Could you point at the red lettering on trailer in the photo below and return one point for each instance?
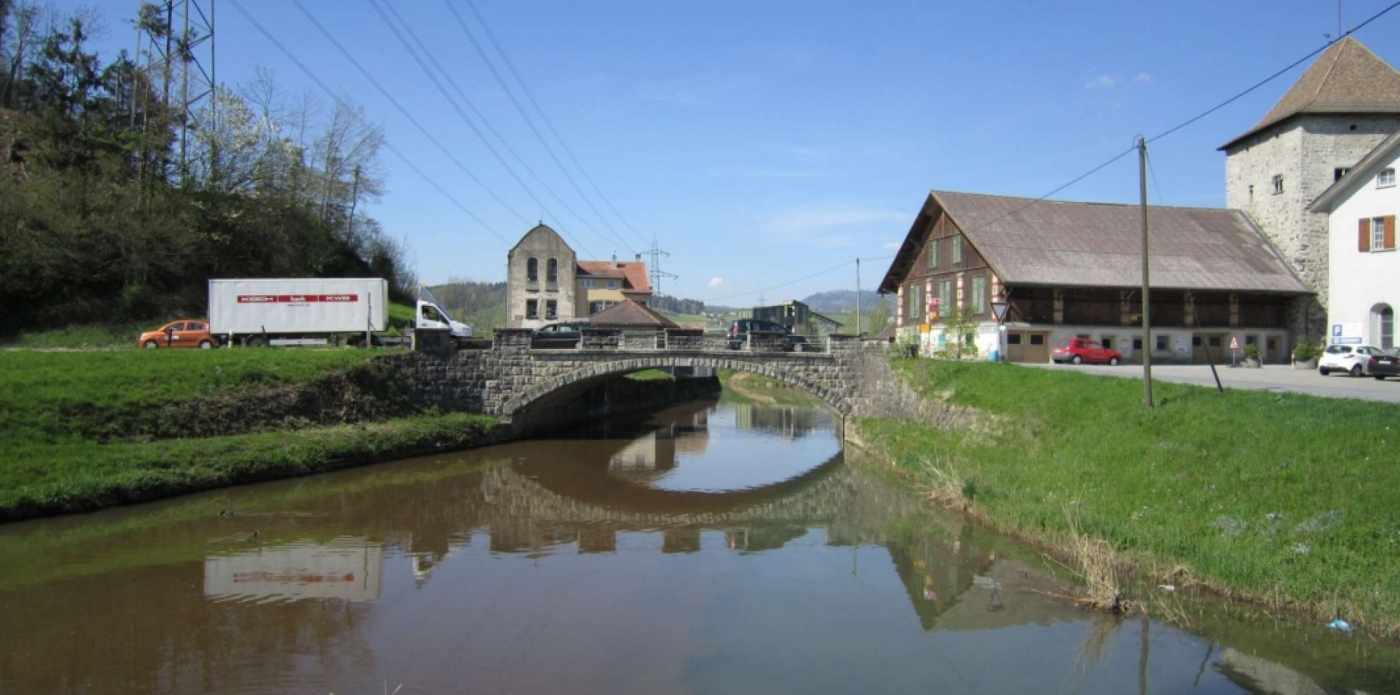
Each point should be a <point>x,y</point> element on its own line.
<point>340,298</point>
<point>256,298</point>
<point>296,298</point>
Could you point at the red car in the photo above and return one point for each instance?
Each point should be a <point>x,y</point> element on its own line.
<point>1082,350</point>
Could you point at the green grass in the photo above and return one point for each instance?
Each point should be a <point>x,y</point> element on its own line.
<point>650,375</point>
<point>40,392</point>
<point>41,479</point>
<point>1284,498</point>
<point>746,387</point>
<point>83,337</point>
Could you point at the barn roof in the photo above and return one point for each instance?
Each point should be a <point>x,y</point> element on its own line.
<point>1070,244</point>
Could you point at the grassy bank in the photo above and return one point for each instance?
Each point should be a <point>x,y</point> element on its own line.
<point>1289,500</point>
<point>52,404</point>
<point>746,387</point>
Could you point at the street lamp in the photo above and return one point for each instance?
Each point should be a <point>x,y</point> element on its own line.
<point>999,308</point>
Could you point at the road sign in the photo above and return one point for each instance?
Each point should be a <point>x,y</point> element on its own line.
<point>1234,343</point>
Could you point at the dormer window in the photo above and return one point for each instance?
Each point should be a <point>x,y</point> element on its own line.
<point>1278,184</point>
<point>1386,178</point>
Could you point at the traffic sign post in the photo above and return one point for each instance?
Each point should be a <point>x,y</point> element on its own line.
<point>1234,351</point>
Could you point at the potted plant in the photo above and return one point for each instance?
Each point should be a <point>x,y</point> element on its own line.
<point>1305,355</point>
<point>1251,356</point>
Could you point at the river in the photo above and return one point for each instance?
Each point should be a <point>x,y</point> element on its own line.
<point>714,547</point>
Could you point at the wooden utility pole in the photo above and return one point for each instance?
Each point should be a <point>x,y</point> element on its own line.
<point>1146,298</point>
<point>857,296</point>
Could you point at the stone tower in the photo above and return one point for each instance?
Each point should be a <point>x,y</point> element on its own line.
<point>1346,102</point>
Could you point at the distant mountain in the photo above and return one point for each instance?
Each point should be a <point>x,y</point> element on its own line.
<point>842,301</point>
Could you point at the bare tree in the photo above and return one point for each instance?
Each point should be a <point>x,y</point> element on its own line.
<point>27,19</point>
<point>349,143</point>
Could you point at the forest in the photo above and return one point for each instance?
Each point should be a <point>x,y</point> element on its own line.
<point>118,204</point>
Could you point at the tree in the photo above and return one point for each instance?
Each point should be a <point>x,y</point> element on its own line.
<point>959,328</point>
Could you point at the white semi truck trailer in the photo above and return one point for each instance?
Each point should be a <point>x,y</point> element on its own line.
<point>312,311</point>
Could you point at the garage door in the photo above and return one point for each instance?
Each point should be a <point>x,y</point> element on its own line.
<point>1025,346</point>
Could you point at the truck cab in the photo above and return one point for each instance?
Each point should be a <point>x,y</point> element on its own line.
<point>431,316</point>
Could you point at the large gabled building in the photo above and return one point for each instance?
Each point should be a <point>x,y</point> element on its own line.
<point>546,282</point>
<point>1070,269</point>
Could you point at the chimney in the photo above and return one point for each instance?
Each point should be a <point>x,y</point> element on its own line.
<point>639,258</point>
<point>614,258</point>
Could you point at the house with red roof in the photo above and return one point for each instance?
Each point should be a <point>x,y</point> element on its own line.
<point>546,282</point>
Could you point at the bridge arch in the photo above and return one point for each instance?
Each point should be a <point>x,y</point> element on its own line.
<point>816,374</point>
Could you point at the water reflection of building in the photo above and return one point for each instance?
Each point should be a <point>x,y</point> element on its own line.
<point>346,568</point>
<point>656,450</point>
<point>790,423</point>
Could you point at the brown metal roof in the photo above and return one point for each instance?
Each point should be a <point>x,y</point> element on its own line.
<point>1046,242</point>
<point>630,314</point>
<point>1346,78</point>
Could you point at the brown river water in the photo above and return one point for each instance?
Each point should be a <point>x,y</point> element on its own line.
<point>711,548</point>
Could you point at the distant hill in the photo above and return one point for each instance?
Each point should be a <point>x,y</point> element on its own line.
<point>481,304</point>
<point>842,301</point>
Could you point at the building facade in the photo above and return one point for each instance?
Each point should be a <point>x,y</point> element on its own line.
<point>1340,109</point>
<point>1363,266</point>
<point>797,317</point>
<point>1074,270</point>
<point>546,283</point>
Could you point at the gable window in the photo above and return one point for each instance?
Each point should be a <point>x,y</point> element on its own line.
<point>1278,184</point>
<point>1386,178</point>
<point>1339,172</point>
<point>933,254</point>
<point>915,308</point>
<point>957,250</point>
<point>979,295</point>
<point>551,272</point>
<point>532,269</point>
<point>532,307</point>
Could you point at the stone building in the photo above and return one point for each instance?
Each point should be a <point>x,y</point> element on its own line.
<point>547,283</point>
<point>1339,110</point>
<point>1069,269</point>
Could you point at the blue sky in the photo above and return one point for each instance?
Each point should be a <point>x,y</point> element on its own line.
<point>761,142</point>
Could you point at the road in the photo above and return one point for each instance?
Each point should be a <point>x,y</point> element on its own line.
<point>1278,378</point>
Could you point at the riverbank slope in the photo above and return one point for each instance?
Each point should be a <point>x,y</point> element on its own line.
<point>1286,500</point>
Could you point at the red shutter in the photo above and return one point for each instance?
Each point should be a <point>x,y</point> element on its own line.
<point>1363,236</point>
<point>1390,232</point>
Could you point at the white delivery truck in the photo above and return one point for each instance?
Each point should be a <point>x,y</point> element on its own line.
<point>297,311</point>
<point>431,315</point>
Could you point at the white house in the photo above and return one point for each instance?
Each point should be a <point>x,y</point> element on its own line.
<point>1363,265</point>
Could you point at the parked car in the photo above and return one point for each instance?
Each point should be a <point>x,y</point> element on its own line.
<point>1083,350</point>
<point>186,333</point>
<point>739,334</point>
<point>1352,360</point>
<point>1383,364</point>
<point>564,334</point>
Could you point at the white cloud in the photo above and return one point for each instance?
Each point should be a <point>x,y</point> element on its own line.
<point>1104,81</point>
<point>716,281</point>
<point>1142,78</point>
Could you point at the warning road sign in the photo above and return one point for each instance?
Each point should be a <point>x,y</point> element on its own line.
<point>1234,343</point>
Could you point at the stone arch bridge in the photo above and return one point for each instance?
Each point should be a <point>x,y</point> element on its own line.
<point>511,378</point>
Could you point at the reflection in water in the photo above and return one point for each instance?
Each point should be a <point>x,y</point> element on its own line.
<point>713,549</point>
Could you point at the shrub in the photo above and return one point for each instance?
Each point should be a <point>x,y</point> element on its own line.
<point>1305,351</point>
<point>1251,352</point>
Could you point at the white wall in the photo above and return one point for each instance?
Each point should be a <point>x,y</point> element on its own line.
<point>1357,280</point>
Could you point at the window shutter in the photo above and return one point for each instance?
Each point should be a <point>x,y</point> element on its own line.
<point>1390,232</point>
<point>1363,236</point>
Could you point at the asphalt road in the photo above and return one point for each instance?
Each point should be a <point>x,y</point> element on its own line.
<point>1276,378</point>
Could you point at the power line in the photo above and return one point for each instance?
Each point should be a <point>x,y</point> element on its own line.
<point>804,278</point>
<point>429,73</point>
<point>387,145</point>
<point>525,89</point>
<point>405,112</point>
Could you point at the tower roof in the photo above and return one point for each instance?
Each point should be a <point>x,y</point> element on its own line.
<point>1346,78</point>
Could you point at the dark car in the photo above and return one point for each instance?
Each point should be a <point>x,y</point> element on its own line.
<point>557,336</point>
<point>739,334</point>
<point>1384,363</point>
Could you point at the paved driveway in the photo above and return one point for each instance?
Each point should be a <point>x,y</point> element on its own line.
<point>1267,378</point>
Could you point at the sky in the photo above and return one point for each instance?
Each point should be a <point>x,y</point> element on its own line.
<point>766,145</point>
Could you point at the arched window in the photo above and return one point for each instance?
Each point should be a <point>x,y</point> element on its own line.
<point>1383,326</point>
<point>551,272</point>
<point>532,269</point>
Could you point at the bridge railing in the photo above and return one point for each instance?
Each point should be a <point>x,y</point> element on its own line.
<point>681,340</point>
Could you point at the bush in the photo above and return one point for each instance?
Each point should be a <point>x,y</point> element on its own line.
<point>1305,351</point>
<point>1251,352</point>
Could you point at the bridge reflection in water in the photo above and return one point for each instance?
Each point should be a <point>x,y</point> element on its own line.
<point>712,549</point>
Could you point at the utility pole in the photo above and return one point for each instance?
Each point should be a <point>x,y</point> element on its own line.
<point>857,296</point>
<point>1146,299</point>
<point>657,274</point>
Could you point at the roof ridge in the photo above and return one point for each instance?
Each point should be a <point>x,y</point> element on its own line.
<point>1336,58</point>
<point>1090,202</point>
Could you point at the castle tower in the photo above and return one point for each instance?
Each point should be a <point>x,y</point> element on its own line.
<point>1346,102</point>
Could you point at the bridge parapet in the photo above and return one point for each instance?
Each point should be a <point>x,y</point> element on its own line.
<point>512,338</point>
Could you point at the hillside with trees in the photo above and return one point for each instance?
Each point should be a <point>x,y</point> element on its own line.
<point>99,220</point>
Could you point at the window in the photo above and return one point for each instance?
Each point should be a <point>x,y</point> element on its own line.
<point>957,250</point>
<point>612,284</point>
<point>1137,344</point>
<point>979,295</point>
<point>430,313</point>
<point>1386,178</point>
<point>945,296</point>
<point>967,339</point>
<point>551,272</point>
<point>1251,339</point>
<point>551,309</point>
<point>1107,342</point>
<point>915,307</point>
<point>1195,341</point>
<point>1339,172</point>
<point>1378,234</point>
<point>1161,343</point>
<point>532,270</point>
<point>1037,339</point>
<point>532,307</point>
<point>1215,341</point>
<point>1278,184</point>
<point>933,254</point>
<point>1013,338</point>
<point>1251,192</point>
